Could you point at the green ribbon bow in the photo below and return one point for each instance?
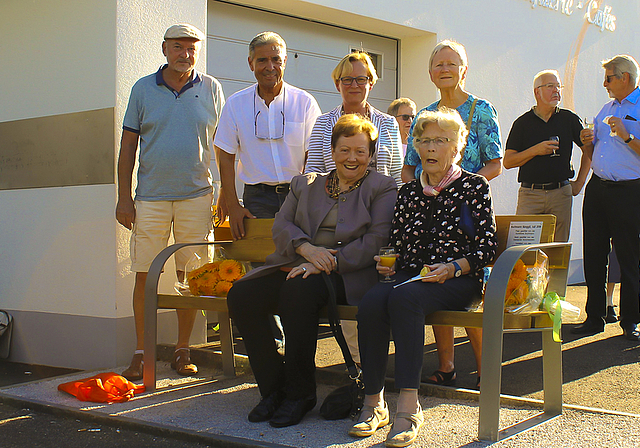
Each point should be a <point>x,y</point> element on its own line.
<point>552,303</point>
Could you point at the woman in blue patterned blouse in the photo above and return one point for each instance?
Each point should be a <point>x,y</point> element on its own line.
<point>482,155</point>
<point>444,220</point>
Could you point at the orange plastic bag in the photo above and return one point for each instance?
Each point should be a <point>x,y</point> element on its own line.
<point>102,388</point>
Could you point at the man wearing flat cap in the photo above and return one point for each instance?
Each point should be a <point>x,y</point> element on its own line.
<point>172,117</point>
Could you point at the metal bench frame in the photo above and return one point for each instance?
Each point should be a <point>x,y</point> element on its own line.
<point>494,322</point>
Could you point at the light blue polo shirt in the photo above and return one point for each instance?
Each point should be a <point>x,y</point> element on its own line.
<point>176,131</point>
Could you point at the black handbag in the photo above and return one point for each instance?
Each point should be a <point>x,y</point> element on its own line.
<point>345,401</point>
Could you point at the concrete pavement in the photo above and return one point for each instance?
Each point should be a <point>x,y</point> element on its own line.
<point>600,371</point>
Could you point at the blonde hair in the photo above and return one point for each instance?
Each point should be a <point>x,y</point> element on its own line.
<point>397,103</point>
<point>623,63</point>
<point>352,124</point>
<point>345,66</point>
<point>448,120</point>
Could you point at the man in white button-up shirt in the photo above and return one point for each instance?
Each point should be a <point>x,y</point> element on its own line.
<point>268,126</point>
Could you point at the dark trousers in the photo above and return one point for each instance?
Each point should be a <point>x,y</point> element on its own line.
<point>263,201</point>
<point>402,310</point>
<point>611,211</point>
<point>297,301</point>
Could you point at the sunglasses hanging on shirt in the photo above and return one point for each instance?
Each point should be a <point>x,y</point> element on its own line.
<point>261,121</point>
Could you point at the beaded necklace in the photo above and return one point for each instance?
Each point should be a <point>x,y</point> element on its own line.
<point>333,184</point>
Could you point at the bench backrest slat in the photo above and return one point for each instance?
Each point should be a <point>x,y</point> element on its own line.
<point>255,246</point>
<point>258,243</point>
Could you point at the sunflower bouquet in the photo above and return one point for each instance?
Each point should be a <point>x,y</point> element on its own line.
<point>527,285</point>
<point>215,278</point>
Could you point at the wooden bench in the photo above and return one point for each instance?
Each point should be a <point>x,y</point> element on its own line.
<point>494,321</point>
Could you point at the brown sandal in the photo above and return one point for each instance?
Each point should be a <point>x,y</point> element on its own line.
<point>182,362</point>
<point>134,371</point>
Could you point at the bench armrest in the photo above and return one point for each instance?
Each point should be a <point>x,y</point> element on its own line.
<point>150,308</point>
<point>157,266</point>
<point>493,329</point>
<point>559,255</point>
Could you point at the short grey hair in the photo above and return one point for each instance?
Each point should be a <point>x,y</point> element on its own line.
<point>267,37</point>
<point>623,63</point>
<point>399,102</point>
<point>458,48</point>
<point>448,120</point>
<point>536,79</point>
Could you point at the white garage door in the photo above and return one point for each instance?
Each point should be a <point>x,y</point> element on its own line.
<point>313,50</point>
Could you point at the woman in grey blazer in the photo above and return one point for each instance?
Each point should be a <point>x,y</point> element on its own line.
<point>334,223</point>
<point>354,77</point>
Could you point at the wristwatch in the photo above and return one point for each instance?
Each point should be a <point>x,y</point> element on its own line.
<point>631,137</point>
<point>458,269</point>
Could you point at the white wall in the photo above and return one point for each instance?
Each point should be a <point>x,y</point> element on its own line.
<point>58,57</point>
<point>62,252</point>
<point>57,252</point>
<point>139,34</point>
<point>56,241</point>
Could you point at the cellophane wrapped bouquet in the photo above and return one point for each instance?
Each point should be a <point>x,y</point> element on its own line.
<point>527,285</point>
<point>213,275</point>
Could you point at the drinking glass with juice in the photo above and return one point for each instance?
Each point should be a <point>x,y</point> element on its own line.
<point>387,258</point>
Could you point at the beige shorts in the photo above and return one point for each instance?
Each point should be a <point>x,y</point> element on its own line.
<point>190,220</point>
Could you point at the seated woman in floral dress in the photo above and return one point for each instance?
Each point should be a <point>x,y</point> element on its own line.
<point>444,220</point>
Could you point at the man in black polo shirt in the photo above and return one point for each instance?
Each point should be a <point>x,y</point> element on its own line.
<point>540,143</point>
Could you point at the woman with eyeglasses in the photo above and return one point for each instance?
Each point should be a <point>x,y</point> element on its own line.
<point>404,110</point>
<point>443,221</point>
<point>482,155</point>
<point>354,77</point>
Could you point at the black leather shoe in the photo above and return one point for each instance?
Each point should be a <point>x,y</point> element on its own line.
<point>267,407</point>
<point>589,326</point>
<point>291,412</point>
<point>611,316</point>
<point>631,332</point>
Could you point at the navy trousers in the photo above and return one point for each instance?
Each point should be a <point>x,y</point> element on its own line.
<point>401,311</point>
